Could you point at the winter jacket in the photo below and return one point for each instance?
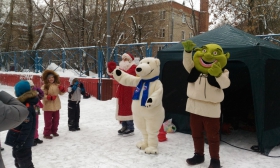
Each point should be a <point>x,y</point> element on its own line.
<point>52,105</point>
<point>22,136</point>
<point>75,92</point>
<point>12,111</point>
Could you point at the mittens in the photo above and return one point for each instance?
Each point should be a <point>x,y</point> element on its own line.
<point>61,88</point>
<point>111,66</point>
<point>49,97</point>
<point>74,87</point>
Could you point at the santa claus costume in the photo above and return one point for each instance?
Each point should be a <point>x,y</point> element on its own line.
<point>124,96</point>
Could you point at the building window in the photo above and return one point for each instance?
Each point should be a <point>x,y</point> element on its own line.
<point>191,34</point>
<point>162,33</point>
<point>183,35</point>
<point>162,15</point>
<point>184,18</point>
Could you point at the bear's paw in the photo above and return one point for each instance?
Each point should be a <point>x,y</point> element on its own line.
<point>149,102</point>
<point>151,150</point>
<point>142,145</point>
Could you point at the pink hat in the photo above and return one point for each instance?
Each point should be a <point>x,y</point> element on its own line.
<point>129,56</point>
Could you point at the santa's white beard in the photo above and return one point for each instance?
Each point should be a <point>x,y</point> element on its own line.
<point>125,65</point>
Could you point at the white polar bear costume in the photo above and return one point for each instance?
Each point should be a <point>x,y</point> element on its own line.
<point>147,109</point>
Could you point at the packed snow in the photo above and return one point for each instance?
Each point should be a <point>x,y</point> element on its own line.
<point>98,144</point>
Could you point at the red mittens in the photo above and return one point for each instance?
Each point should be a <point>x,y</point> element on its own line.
<point>49,97</point>
<point>61,88</point>
<point>111,66</point>
<point>54,97</point>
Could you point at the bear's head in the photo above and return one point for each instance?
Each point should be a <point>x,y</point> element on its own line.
<point>148,68</point>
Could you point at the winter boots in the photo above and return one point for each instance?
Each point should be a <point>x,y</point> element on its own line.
<point>48,137</point>
<point>196,159</point>
<point>215,163</point>
<point>125,132</point>
<point>128,132</point>
<point>37,141</point>
<point>121,130</point>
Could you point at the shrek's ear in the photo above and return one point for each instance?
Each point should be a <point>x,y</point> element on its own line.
<point>227,55</point>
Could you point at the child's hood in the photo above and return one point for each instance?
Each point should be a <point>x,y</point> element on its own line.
<point>30,97</point>
<point>45,75</point>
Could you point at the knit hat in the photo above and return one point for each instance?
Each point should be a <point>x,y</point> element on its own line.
<point>21,87</point>
<point>129,56</point>
<point>30,82</point>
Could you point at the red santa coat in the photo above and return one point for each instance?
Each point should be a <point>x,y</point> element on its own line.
<point>124,98</point>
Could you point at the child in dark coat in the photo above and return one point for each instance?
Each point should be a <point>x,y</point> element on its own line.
<point>37,110</point>
<point>21,138</point>
<point>75,90</point>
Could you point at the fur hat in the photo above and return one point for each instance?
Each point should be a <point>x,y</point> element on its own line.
<point>48,73</point>
<point>129,56</point>
<point>21,87</point>
<point>30,82</point>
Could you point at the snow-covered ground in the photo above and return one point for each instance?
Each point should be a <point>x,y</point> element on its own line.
<point>98,145</point>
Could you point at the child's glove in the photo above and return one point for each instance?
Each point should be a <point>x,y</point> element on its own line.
<point>18,146</point>
<point>61,88</point>
<point>111,66</point>
<point>49,97</point>
<point>74,87</point>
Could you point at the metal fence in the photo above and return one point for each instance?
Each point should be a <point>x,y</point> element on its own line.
<point>80,59</point>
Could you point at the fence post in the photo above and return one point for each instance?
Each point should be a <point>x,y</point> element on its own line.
<point>149,50</point>
<point>15,61</point>
<point>36,62</point>
<point>116,55</point>
<point>63,59</point>
<point>100,70</point>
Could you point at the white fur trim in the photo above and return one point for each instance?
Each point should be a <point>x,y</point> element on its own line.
<point>125,55</point>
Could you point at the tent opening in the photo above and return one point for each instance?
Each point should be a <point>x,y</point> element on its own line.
<point>237,107</point>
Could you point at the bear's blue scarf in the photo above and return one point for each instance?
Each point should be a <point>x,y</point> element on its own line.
<point>145,91</point>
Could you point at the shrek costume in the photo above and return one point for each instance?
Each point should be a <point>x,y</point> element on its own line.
<point>206,82</point>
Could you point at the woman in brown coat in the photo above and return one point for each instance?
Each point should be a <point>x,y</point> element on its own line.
<point>51,101</point>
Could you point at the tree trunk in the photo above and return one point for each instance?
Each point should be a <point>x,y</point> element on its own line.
<point>29,24</point>
<point>9,29</point>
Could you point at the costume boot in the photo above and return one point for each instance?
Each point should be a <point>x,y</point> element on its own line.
<point>196,159</point>
<point>215,163</point>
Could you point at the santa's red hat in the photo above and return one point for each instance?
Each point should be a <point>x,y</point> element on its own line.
<point>129,56</point>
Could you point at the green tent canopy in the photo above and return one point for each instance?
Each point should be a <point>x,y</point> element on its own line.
<point>254,94</point>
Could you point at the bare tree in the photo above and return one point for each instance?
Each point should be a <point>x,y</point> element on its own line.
<point>46,25</point>
<point>30,24</point>
<point>10,27</point>
<point>253,16</point>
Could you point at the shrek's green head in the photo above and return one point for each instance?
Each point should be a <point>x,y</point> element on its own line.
<point>207,55</point>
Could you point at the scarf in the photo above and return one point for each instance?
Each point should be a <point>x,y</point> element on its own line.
<point>145,94</point>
